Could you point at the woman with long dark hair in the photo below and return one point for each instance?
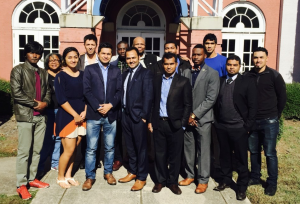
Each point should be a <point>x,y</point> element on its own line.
<point>70,119</point>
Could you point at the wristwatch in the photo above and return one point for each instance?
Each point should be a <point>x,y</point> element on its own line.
<point>193,116</point>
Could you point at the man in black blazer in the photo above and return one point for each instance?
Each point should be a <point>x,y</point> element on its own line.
<point>170,113</point>
<point>137,96</point>
<point>102,84</point>
<point>235,112</point>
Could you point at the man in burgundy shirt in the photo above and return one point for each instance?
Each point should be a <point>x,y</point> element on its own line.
<point>31,95</point>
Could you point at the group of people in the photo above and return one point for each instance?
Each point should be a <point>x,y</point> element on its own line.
<point>195,114</point>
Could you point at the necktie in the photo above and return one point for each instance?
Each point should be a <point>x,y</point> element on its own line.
<point>229,80</point>
<point>127,89</point>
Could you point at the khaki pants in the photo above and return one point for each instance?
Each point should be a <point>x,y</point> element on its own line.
<point>31,138</point>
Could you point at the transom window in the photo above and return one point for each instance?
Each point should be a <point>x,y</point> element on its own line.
<point>240,17</point>
<point>141,15</point>
<point>38,12</point>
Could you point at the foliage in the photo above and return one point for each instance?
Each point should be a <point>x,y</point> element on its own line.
<point>6,103</point>
<point>292,107</point>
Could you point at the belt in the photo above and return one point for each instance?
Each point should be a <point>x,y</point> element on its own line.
<point>164,118</point>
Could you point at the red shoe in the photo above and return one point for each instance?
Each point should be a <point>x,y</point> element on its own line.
<point>23,192</point>
<point>38,184</point>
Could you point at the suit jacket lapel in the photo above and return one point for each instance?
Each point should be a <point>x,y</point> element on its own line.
<point>238,80</point>
<point>173,85</point>
<point>202,73</point>
<point>98,70</point>
<point>136,74</point>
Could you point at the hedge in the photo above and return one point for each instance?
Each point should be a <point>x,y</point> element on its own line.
<point>6,103</point>
<point>292,107</point>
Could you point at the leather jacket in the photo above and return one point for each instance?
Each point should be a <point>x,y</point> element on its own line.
<point>23,91</point>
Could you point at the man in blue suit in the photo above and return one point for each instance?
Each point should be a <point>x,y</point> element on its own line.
<point>137,96</point>
<point>102,83</point>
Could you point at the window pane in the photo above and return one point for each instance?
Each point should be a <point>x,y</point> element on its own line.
<point>147,20</point>
<point>255,23</point>
<point>148,43</point>
<point>224,45</point>
<point>225,21</point>
<point>156,43</point>
<point>231,13</point>
<point>46,52</point>
<point>38,5</point>
<point>28,8</point>
<point>246,22</point>
<point>247,45</point>
<point>54,41</point>
<point>131,12</point>
<point>54,51</point>
<point>22,40</point>
<point>30,38</point>
<point>22,18</point>
<point>125,39</point>
<point>151,12</point>
<point>254,44</point>
<point>45,17</point>
<point>135,19</point>
<point>156,21</point>
<point>131,41</point>
<point>241,10</point>
<point>21,55</point>
<point>125,21</point>
<point>46,41</point>
<point>250,13</point>
<point>141,8</point>
<point>234,21</point>
<point>224,54</point>
<point>231,45</point>
<point>49,9</point>
<point>54,17</point>
<point>32,16</point>
<point>247,59</point>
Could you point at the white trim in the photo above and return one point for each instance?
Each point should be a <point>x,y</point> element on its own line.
<point>255,9</point>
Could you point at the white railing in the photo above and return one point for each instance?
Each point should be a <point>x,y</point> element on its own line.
<point>212,10</point>
<point>67,7</point>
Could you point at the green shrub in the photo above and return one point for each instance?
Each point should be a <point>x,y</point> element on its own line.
<point>292,107</point>
<point>6,103</point>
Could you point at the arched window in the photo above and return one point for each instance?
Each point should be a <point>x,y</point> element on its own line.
<point>35,20</point>
<point>243,31</point>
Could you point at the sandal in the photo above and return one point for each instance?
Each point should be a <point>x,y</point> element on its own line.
<point>73,182</point>
<point>59,182</point>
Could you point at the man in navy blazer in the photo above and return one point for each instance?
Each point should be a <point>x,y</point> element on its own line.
<point>137,96</point>
<point>102,84</point>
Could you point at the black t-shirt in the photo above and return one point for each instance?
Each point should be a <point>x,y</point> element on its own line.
<point>53,104</point>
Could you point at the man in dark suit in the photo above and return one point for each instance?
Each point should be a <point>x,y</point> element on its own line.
<point>170,113</point>
<point>102,84</point>
<point>197,137</point>
<point>136,101</point>
<point>235,112</point>
<point>182,63</point>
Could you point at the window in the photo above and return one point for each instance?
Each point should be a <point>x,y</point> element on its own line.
<point>240,17</point>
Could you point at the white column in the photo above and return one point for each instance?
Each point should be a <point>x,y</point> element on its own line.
<point>220,7</point>
<point>287,41</point>
<point>63,6</point>
<point>194,8</point>
<point>89,7</point>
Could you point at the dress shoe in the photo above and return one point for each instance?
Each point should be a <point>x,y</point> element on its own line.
<point>175,189</point>
<point>110,179</point>
<point>186,182</point>
<point>252,182</point>
<point>241,195</point>
<point>99,165</point>
<point>87,185</point>
<point>117,165</point>
<point>221,187</point>
<point>82,165</point>
<point>157,188</point>
<point>38,184</point>
<point>201,188</point>
<point>23,192</point>
<point>127,178</point>
<point>270,190</point>
<point>138,185</point>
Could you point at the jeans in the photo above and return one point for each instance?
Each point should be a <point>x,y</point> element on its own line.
<point>51,143</point>
<point>92,137</point>
<point>265,135</point>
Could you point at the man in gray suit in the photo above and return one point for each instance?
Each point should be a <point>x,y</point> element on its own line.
<point>205,82</point>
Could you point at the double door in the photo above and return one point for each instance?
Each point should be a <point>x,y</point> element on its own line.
<point>48,39</point>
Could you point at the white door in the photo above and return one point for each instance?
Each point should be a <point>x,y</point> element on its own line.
<point>242,45</point>
<point>154,41</point>
<point>49,39</point>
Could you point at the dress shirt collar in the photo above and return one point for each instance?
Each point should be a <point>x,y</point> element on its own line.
<point>86,62</point>
<point>198,68</point>
<point>102,67</point>
<point>171,77</point>
<point>233,77</point>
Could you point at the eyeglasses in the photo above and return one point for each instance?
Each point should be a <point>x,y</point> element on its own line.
<point>55,60</point>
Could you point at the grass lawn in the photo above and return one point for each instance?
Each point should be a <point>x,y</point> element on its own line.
<point>288,151</point>
<point>15,199</point>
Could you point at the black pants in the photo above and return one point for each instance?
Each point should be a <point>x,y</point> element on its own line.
<point>135,135</point>
<point>168,143</point>
<point>236,140</point>
<point>118,143</point>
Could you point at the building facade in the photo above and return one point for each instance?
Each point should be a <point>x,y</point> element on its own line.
<point>240,26</point>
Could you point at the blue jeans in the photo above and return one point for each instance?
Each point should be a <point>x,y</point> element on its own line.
<point>51,143</point>
<point>265,135</point>
<point>92,137</point>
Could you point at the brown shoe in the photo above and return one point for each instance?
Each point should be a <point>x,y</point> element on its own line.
<point>201,188</point>
<point>117,165</point>
<point>186,182</point>
<point>127,178</point>
<point>157,188</point>
<point>175,189</point>
<point>110,179</point>
<point>87,185</point>
<point>138,185</point>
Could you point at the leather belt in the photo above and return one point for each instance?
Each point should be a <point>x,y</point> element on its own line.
<point>164,118</point>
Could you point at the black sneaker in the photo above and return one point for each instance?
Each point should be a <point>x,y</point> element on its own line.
<point>270,190</point>
<point>252,182</point>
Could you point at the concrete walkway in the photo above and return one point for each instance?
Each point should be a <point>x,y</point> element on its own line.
<point>104,193</point>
